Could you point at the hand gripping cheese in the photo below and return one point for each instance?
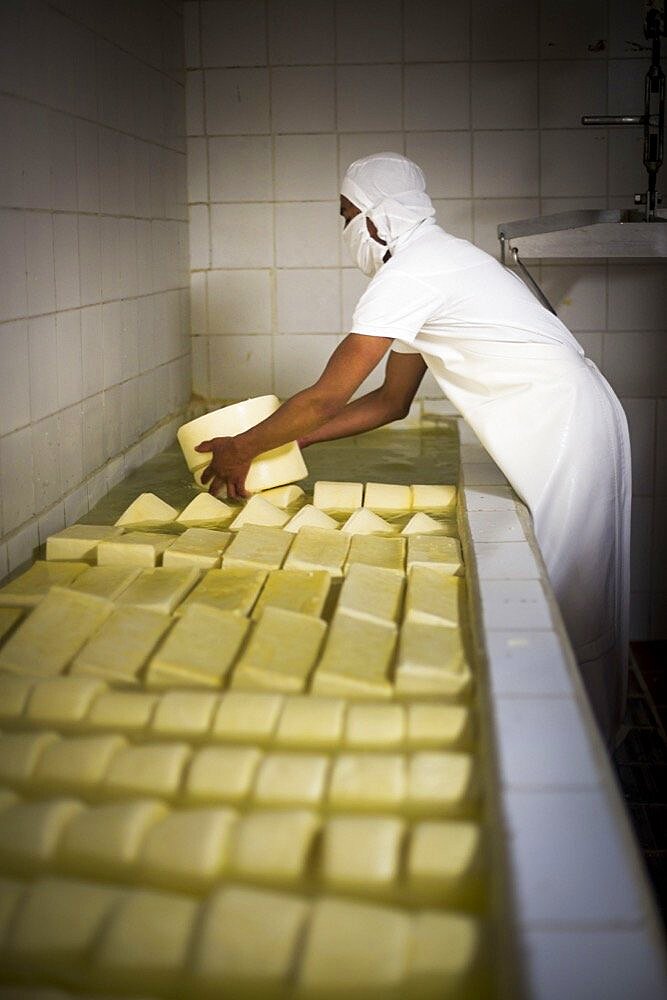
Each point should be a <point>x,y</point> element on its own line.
<point>79,541</point>
<point>200,649</point>
<point>205,511</point>
<point>259,511</point>
<point>337,496</point>
<point>385,496</point>
<point>281,652</point>
<point>147,510</point>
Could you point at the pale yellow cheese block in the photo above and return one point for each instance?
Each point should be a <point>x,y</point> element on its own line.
<point>136,548</point>
<point>368,782</point>
<point>184,715</point>
<point>222,774</point>
<point>248,941</point>
<point>445,861</point>
<point>259,511</point>
<point>188,849</point>
<point>355,950</point>
<point>205,511</point>
<point>283,496</point>
<point>365,522</point>
<point>319,548</point>
<point>423,524</point>
<point>361,853</point>
<point>247,717</point>
<point>441,783</point>
<point>30,587</point>
<point>294,590</point>
<point>434,551</point>
<point>79,541</point>
<point>122,645</point>
<point>232,588</point>
<point>63,701</point>
<point>431,661</point>
<point>375,550</point>
<point>200,547</point>
<point>9,618</point>
<point>291,779</point>
<point>387,496</point>
<point>14,694</point>
<point>432,598</point>
<point>147,510</point>
<point>258,547</point>
<point>311,722</point>
<point>281,652</point>
<point>104,841</point>
<point>160,589</point>
<point>147,769</point>
<point>105,581</point>
<point>273,846</point>
<point>436,497</point>
<point>310,517</point>
<point>19,753</point>
<point>200,648</point>
<point>434,724</point>
<point>371,593</point>
<point>356,660</point>
<point>375,727</point>
<point>30,831</point>
<point>51,636</point>
<point>341,496</point>
<point>444,955</point>
<point>125,711</point>
<point>74,765</point>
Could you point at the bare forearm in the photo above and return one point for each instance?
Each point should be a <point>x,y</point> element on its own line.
<point>301,415</point>
<point>364,414</point>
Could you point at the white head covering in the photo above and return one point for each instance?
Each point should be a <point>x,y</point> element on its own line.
<point>391,191</point>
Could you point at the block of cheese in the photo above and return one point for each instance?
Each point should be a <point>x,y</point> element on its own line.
<point>14,694</point>
<point>188,849</point>
<point>441,783</point>
<point>291,779</point>
<point>258,547</point>
<point>247,716</point>
<point>63,702</point>
<point>361,853</point>
<point>273,846</point>
<point>160,589</point>
<point>30,587</point>
<point>310,722</point>
<point>371,593</point>
<point>104,840</point>
<point>105,581</point>
<point>29,833</point>
<point>9,618</point>
<point>355,949</point>
<point>51,636</point>
<point>200,649</point>
<point>386,496</point>
<point>248,943</point>
<point>222,774</point>
<point>432,724</point>
<point>432,597</point>
<point>310,517</point>
<point>136,548</point>
<point>125,711</point>
<point>375,727</point>
<point>357,659</point>
<point>147,511</point>
<point>431,661</point>
<point>423,524</point>
<point>437,497</point>
<point>368,782</point>
<point>365,522</point>
<point>147,769</point>
<point>444,956</point>
<point>298,590</point>
<point>375,550</point>
<point>184,714</point>
<point>284,496</point>
<point>201,547</point>
<point>281,652</point>
<point>434,551</point>
<point>205,511</point>
<point>257,510</point>
<point>122,645</point>
<point>79,541</point>
<point>231,588</point>
<point>19,753</point>
<point>444,861</point>
<point>319,548</point>
<point>75,765</point>
<point>337,496</point>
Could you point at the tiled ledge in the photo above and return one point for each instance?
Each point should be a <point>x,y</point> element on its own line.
<point>586,918</point>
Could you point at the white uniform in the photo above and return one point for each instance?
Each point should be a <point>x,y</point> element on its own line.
<point>545,414</point>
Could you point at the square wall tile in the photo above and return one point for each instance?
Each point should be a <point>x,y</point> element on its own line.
<point>37,179</point>
<point>626,32</point>
<point>90,259</point>
<point>11,166</point>
<point>299,360</point>
<point>661,449</point>
<point>627,175</point>
<point>504,95</point>
<point>488,213</point>
<point>51,522</point>
<point>634,362</point>
<point>641,414</point>
<point>198,321</point>
<point>17,497</point>
<point>237,101</point>
<point>43,358</point>
<point>232,33</point>
<point>45,437</point>
<point>369,98</point>
<point>637,296</point>
<point>109,171</point>
<point>509,604</point>
<point>303,99</point>
<point>199,235</point>
<point>436,96</point>
<point>70,374</point>
<point>455,216</point>
<point>301,32</point>
<point>355,145</point>
<point>197,170</point>
<point>495,35</point>
<point>436,30</point>
<point>574,162</point>
<point>642,544</point>
<point>21,547</point>
<point>240,367</point>
<point>307,234</point>
<point>62,142</point>
<point>109,232</point>
<point>71,447</point>
<point>495,526</point>
<point>241,236</point>
<point>39,262</point>
<point>66,257</point>
<point>506,561</point>
<point>570,89</point>
<point>591,342</point>
<point>445,158</point>
<point>370,32</point>
<point>570,29</point>
<point>191,30</point>
<point>14,376</point>
<point>308,301</point>
<point>194,102</point>
<point>87,167</point>
<point>200,367</point>
<point>353,285</point>
<point>239,302</point>
<point>578,294</point>
<point>525,664</point>
<point>482,474</point>
<point>306,167</point>
<point>489,498</point>
<point>240,168</point>
<point>505,164</point>
<point>13,290</point>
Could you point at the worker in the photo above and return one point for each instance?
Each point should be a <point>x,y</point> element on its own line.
<point>541,409</point>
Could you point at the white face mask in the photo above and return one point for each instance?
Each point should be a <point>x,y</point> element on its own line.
<point>366,253</point>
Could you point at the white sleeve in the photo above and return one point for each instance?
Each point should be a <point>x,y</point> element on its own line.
<point>400,347</point>
<point>395,304</point>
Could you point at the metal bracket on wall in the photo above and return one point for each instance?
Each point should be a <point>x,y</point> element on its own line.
<point>525,274</point>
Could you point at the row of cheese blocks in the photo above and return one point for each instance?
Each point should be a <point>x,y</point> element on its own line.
<point>98,768</point>
<point>87,705</point>
<point>240,941</point>
<point>142,841</point>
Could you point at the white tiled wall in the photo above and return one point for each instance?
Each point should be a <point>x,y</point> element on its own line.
<point>487,97</point>
<point>94,302</point>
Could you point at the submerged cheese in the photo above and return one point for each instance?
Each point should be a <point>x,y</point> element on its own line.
<point>356,659</point>
<point>30,587</point>
<point>79,541</point>
<point>386,496</point>
<point>318,548</point>
<point>361,852</point>
<point>273,846</point>
<point>337,496</point>
<point>205,511</point>
<point>123,645</point>
<point>231,588</point>
<point>431,661</point>
<point>200,649</point>
<point>161,589</point>
<point>427,497</point>
<point>435,551</point>
<point>259,511</point>
<point>423,524</point>
<point>294,590</point>
<point>310,516</point>
<point>365,522</point>
<point>281,652</point>
<point>200,547</point>
<point>106,581</point>
<point>375,550</point>
<point>371,593</point>
<point>432,597</point>
<point>146,510</point>
<point>258,547</point>
<point>136,548</point>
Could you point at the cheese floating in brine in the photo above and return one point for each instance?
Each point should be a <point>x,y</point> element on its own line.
<point>147,509</point>
<point>431,661</point>
<point>386,496</point>
<point>294,590</point>
<point>232,588</point>
<point>434,551</point>
<point>432,597</point>
<point>371,593</point>
<point>281,651</point>
<point>259,511</point>
<point>283,496</point>
<point>310,517</point>
<point>200,649</point>
<point>258,547</point>
<point>79,541</point>
<point>30,587</point>
<point>318,548</point>
<point>422,524</point>
<point>337,496</point>
<point>200,547</point>
<point>365,522</point>
<point>205,511</point>
<point>123,645</point>
<point>438,497</point>
<point>377,550</point>
<point>137,548</point>
<point>356,659</point>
